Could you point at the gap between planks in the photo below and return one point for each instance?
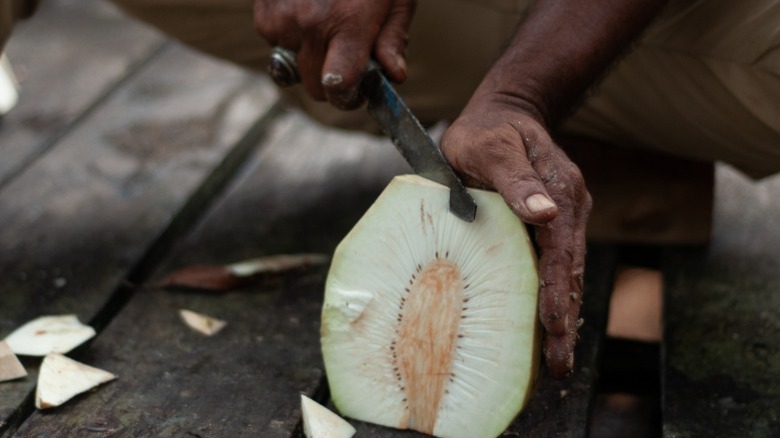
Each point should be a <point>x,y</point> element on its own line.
<point>184,220</point>
<point>103,97</point>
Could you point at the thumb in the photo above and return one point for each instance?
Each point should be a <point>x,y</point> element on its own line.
<point>499,166</point>
<point>523,190</point>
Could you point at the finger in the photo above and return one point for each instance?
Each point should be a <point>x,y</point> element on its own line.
<point>506,168</point>
<point>343,69</point>
<point>559,354</point>
<point>559,350</point>
<point>556,291</point>
<point>310,59</point>
<point>393,37</point>
<point>562,247</point>
<point>582,212</point>
<point>525,193</point>
<point>276,24</point>
<point>555,267</point>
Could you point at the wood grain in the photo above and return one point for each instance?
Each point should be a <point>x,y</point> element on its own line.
<point>68,58</point>
<point>721,345</point>
<point>76,224</point>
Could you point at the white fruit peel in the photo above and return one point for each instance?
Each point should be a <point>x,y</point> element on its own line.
<point>49,334</point>
<point>429,322</point>
<point>207,325</point>
<point>62,378</point>
<point>10,367</point>
<point>276,263</point>
<point>319,422</point>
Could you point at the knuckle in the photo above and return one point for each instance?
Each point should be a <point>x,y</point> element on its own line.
<point>311,17</point>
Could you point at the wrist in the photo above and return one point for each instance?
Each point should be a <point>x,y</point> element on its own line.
<point>493,97</point>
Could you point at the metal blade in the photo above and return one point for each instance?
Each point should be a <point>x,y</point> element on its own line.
<point>408,135</point>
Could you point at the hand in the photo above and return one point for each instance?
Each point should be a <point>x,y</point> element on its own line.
<point>334,40</point>
<point>499,145</point>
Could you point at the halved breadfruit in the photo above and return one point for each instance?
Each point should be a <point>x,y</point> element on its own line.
<point>430,322</point>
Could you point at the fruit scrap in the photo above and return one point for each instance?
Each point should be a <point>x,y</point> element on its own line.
<point>276,264</point>
<point>61,379</point>
<point>319,422</point>
<point>205,324</point>
<point>49,334</point>
<point>233,276</point>
<point>10,367</point>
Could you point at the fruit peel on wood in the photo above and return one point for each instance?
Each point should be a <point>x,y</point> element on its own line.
<point>49,334</point>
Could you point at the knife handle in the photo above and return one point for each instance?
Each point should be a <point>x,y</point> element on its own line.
<point>283,67</point>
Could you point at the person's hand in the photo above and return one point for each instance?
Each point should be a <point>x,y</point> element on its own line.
<point>500,145</point>
<point>334,40</point>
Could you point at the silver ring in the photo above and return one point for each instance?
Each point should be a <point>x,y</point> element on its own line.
<point>283,67</point>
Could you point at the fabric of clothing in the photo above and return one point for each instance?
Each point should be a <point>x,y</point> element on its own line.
<point>703,81</point>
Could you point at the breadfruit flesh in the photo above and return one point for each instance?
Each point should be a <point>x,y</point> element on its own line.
<point>430,322</point>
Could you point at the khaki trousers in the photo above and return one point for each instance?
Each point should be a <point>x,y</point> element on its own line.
<point>703,82</point>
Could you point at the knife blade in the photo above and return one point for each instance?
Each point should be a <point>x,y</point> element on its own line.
<point>398,122</point>
<point>418,148</point>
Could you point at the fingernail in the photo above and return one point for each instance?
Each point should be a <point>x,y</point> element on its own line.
<point>329,79</point>
<point>401,63</point>
<point>538,202</point>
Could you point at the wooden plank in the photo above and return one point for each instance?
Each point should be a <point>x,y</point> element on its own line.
<point>301,193</point>
<point>722,312</point>
<point>102,205</point>
<point>68,56</point>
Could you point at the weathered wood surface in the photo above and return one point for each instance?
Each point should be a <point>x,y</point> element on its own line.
<point>67,58</point>
<point>722,320</point>
<point>98,208</point>
<point>300,193</point>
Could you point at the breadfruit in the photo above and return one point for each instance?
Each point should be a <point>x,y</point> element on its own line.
<point>430,322</point>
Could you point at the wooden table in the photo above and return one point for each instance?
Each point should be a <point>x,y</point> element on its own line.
<point>130,156</point>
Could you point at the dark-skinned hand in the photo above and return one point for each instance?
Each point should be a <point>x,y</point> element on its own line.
<point>498,145</point>
<point>334,40</point>
<point>501,139</point>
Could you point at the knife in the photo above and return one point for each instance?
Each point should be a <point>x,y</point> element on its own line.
<point>397,122</point>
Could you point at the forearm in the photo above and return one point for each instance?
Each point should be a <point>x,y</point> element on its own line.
<point>560,49</point>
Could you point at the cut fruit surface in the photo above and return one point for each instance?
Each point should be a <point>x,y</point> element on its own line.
<point>10,367</point>
<point>62,378</point>
<point>430,322</point>
<point>49,334</point>
<point>207,325</point>
<point>319,422</point>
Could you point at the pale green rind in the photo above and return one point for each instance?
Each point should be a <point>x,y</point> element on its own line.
<point>494,379</point>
